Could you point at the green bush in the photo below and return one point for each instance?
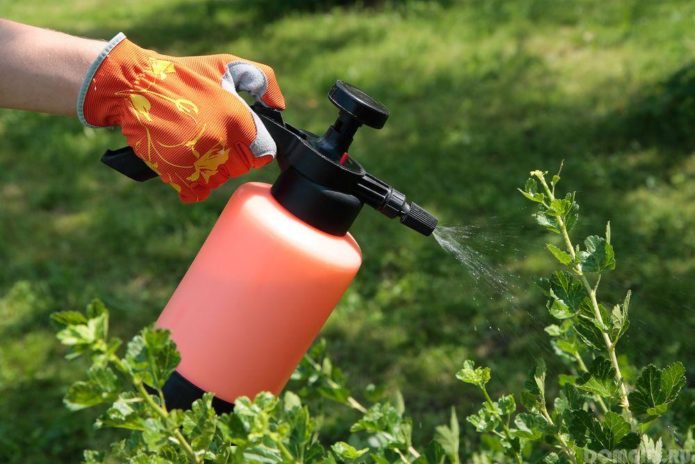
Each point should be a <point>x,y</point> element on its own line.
<point>597,415</point>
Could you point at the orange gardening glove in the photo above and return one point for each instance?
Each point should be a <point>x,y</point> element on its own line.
<point>182,116</point>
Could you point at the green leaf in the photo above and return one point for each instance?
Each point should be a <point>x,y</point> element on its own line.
<point>484,420</point>
<point>96,309</point>
<point>301,435</point>
<point>547,220</point>
<point>347,453</point>
<point>531,426</point>
<point>129,411</point>
<point>89,334</point>
<point>559,254</point>
<point>507,405</point>
<point>620,321</point>
<point>448,437</point>
<point>570,398</point>
<point>155,435</point>
<point>565,293</point>
<point>479,376</point>
<point>553,330</point>
<point>656,389</point>
<point>572,212</point>
<point>435,454</point>
<point>567,346</point>
<point>600,380</point>
<point>102,386</point>
<point>69,318</point>
<point>611,434</point>
<point>531,192</point>
<point>597,256</point>
<point>387,426</point>
<point>534,387</point>
<point>92,457</point>
<point>152,356</point>
<point>200,422</point>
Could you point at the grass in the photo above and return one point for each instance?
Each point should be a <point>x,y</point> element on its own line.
<point>480,93</point>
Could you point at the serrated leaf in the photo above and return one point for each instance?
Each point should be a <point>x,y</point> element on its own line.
<point>590,335</point>
<point>155,435</point>
<point>507,405</point>
<point>102,386</point>
<point>152,356</point>
<point>562,256</point>
<point>435,454</point>
<point>534,387</point>
<point>597,256</point>
<point>347,453</point>
<point>619,323</point>
<point>531,426</point>
<point>565,293</point>
<point>611,434</point>
<point>448,437</point>
<point>484,420</point>
<point>83,336</point>
<point>656,389</point>
<point>129,411</point>
<point>547,220</point>
<point>600,380</point>
<point>478,376</point>
<point>530,191</point>
<point>386,424</point>
<point>200,422</point>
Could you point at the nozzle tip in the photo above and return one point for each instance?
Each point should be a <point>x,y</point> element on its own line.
<point>419,219</point>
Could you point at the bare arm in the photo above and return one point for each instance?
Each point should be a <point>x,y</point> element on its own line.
<point>42,70</point>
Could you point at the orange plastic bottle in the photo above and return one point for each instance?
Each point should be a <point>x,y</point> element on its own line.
<point>278,259</point>
<point>256,296</point>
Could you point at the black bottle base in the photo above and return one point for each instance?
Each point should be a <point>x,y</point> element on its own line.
<point>179,393</point>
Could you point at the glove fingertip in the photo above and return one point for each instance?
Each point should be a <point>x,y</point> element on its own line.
<point>263,160</point>
<point>274,99</point>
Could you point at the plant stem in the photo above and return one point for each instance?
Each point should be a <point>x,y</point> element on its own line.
<point>591,291</point>
<point>161,411</point>
<point>507,433</point>
<point>563,444</point>
<point>353,403</point>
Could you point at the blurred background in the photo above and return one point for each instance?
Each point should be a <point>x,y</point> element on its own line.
<point>480,93</point>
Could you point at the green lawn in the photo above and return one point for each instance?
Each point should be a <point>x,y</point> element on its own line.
<point>480,93</point>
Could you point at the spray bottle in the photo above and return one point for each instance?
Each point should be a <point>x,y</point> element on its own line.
<point>278,259</point>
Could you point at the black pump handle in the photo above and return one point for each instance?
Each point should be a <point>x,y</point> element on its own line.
<point>125,161</point>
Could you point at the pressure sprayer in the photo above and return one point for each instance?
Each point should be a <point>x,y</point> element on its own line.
<point>278,259</point>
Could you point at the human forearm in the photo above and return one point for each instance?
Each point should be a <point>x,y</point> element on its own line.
<point>42,70</point>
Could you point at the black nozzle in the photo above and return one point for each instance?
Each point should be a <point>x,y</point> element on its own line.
<point>419,219</point>
<point>391,203</point>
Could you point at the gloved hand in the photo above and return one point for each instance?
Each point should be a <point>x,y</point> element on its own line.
<point>182,116</point>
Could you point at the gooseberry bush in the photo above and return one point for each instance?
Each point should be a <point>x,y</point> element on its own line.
<point>596,416</point>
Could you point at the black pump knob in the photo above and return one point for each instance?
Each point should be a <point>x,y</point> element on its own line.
<point>356,108</point>
<point>358,104</point>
